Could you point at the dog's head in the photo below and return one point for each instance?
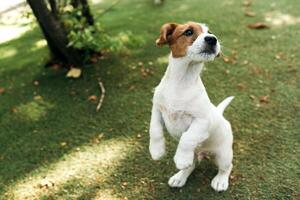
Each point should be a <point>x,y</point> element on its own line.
<point>191,40</point>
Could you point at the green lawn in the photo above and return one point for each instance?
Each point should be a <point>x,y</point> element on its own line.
<point>53,145</point>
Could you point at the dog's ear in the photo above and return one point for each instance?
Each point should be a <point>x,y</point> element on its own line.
<point>165,32</point>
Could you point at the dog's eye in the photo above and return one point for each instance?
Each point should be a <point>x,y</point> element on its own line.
<point>209,32</point>
<point>188,32</point>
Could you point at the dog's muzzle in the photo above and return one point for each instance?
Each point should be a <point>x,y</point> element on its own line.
<point>210,45</point>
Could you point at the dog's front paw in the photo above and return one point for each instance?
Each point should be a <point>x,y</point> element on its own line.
<point>157,149</point>
<point>220,183</point>
<point>184,159</point>
<point>177,180</point>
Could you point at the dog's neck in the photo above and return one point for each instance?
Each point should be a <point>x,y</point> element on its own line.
<point>183,71</point>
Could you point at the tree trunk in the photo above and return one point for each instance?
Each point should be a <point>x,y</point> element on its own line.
<point>86,12</point>
<point>85,9</point>
<point>54,34</point>
<point>53,6</point>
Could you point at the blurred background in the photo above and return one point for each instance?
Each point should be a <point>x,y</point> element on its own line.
<point>59,140</point>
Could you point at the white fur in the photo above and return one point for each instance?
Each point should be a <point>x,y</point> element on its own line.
<point>182,106</point>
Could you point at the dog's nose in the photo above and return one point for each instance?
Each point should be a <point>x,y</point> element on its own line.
<point>211,40</point>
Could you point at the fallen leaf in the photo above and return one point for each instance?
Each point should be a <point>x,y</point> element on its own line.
<point>36,83</point>
<point>14,110</point>
<point>45,183</point>
<point>246,62</point>
<point>123,185</point>
<point>241,86</point>
<point>279,56</point>
<point>132,87</point>
<point>252,96</point>
<point>63,144</point>
<point>250,14</point>
<point>93,98</point>
<point>2,90</point>
<point>74,73</point>
<point>93,59</point>
<point>37,97</point>
<point>230,59</point>
<point>247,3</point>
<point>56,67</point>
<point>145,71</point>
<point>258,25</point>
<point>264,99</point>
<point>226,59</point>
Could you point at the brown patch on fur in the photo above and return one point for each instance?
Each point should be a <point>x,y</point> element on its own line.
<point>172,34</point>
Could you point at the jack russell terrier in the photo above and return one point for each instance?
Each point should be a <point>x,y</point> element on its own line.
<point>182,106</point>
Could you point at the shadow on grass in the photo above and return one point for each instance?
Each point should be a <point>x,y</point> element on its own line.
<point>31,134</point>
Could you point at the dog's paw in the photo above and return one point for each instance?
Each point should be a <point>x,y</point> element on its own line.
<point>157,149</point>
<point>220,183</point>
<point>177,180</point>
<point>184,160</point>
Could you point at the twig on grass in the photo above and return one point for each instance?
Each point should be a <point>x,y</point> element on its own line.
<point>102,89</point>
<point>109,8</point>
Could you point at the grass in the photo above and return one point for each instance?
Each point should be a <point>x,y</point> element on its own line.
<point>53,145</point>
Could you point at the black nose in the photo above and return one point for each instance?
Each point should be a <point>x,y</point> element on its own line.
<point>211,40</point>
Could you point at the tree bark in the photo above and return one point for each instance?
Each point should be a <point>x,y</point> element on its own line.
<point>85,9</point>
<point>53,6</point>
<point>54,34</point>
<point>86,12</point>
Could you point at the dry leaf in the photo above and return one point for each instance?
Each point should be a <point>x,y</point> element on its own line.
<point>74,73</point>
<point>264,99</point>
<point>2,90</point>
<point>226,59</point>
<point>45,183</point>
<point>93,59</point>
<point>241,86</point>
<point>93,98</point>
<point>252,96</point>
<point>37,97</point>
<point>246,62</point>
<point>230,59</point>
<point>123,185</point>
<point>250,14</point>
<point>258,25</point>
<point>132,87</point>
<point>56,67</point>
<point>14,110</point>
<point>247,3</point>
<point>63,144</point>
<point>36,83</point>
<point>279,56</point>
<point>145,71</point>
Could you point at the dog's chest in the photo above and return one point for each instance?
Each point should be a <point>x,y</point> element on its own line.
<point>176,121</point>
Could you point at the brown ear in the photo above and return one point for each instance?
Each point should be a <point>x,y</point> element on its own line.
<point>165,31</point>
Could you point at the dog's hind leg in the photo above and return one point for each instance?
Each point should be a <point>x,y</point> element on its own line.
<point>224,162</point>
<point>179,179</point>
<point>224,155</point>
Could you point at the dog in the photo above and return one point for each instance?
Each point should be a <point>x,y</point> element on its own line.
<point>182,106</point>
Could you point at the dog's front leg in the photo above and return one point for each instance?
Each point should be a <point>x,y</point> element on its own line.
<point>157,140</point>
<point>196,134</point>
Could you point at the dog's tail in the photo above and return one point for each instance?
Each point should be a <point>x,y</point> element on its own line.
<point>221,107</point>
